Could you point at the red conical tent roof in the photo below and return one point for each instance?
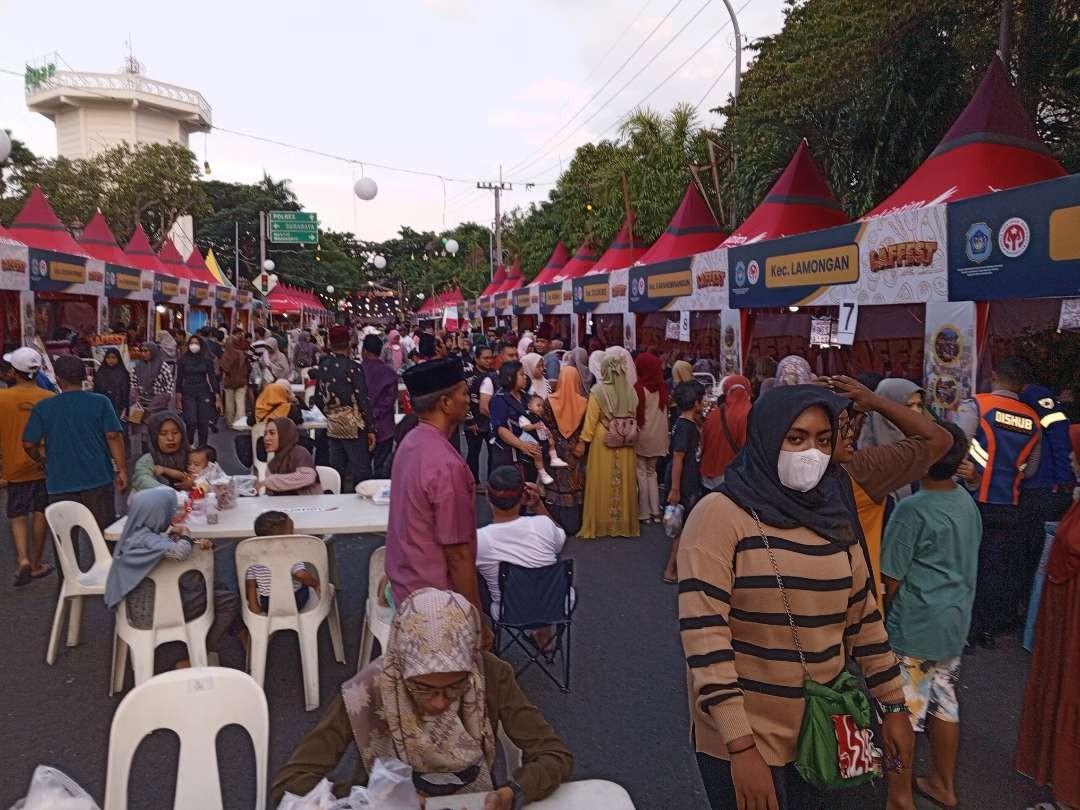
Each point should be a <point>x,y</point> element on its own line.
<point>37,226</point>
<point>196,264</point>
<point>584,258</point>
<point>514,279</point>
<point>139,253</point>
<point>172,261</point>
<point>281,300</point>
<point>692,229</point>
<point>497,281</point>
<point>798,202</point>
<point>619,255</point>
<point>991,146</point>
<point>555,263</point>
<point>99,242</point>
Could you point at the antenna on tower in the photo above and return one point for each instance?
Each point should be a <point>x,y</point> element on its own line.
<point>131,64</point>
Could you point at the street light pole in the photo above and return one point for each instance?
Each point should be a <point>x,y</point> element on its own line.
<point>735,101</point>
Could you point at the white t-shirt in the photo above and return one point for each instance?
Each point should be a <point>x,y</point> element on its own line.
<point>531,542</point>
<point>487,387</point>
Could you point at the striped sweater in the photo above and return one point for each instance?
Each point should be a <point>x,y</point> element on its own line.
<point>743,672</point>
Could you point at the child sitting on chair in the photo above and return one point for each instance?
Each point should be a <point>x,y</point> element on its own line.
<point>257,577</point>
<point>534,431</point>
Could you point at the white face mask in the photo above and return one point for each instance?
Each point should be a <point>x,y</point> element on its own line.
<point>802,470</point>
<point>194,348</point>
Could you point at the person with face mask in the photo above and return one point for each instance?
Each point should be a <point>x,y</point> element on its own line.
<point>198,390</point>
<point>779,515</point>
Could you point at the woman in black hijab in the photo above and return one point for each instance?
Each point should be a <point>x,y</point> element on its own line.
<point>114,381</point>
<point>750,644</point>
<point>198,388</point>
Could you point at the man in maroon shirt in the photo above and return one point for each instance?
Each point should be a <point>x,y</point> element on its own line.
<point>431,535</point>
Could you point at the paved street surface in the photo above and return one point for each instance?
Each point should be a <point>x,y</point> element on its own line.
<point>625,718</point>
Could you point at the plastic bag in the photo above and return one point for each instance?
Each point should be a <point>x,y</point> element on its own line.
<point>673,519</point>
<point>224,490</point>
<point>51,789</point>
<point>390,786</point>
<point>245,486</point>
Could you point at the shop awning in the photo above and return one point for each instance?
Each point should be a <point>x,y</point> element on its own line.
<point>196,265</point>
<point>37,226</point>
<point>692,230</point>
<point>98,240</point>
<point>555,264</point>
<point>619,254</point>
<point>496,282</point>
<point>583,260</point>
<point>281,300</point>
<point>991,146</point>
<point>139,253</point>
<point>173,262</point>
<point>799,201</point>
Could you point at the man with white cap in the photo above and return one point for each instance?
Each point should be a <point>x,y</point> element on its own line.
<point>26,493</point>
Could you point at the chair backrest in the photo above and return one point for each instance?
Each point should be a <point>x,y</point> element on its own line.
<point>329,480</point>
<point>535,596</point>
<point>63,518</point>
<point>279,553</point>
<point>169,621</point>
<point>196,704</point>
<point>376,570</point>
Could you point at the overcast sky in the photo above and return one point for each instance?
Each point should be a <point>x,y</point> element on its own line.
<point>455,87</point>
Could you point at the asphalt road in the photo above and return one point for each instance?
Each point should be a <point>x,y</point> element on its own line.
<point>625,718</point>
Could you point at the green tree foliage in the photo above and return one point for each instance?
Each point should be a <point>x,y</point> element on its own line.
<point>152,184</point>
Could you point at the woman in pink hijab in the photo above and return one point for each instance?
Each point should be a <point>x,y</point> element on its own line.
<point>393,353</point>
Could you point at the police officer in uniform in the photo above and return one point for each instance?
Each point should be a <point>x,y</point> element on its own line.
<point>1005,450</point>
<point>1047,494</point>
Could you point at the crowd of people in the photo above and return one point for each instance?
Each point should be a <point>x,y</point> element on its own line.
<point>819,527</point>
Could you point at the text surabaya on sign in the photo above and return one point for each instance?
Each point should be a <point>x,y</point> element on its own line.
<point>835,265</point>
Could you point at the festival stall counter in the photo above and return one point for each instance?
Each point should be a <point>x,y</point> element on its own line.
<point>164,303</point>
<point>601,294</point>
<point>128,289</point>
<point>16,300</point>
<point>557,293</point>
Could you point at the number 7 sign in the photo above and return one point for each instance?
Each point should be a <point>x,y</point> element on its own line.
<point>846,323</point>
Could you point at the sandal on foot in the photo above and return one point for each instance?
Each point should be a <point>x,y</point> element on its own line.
<point>46,569</point>
<point>936,802</point>
<point>22,576</point>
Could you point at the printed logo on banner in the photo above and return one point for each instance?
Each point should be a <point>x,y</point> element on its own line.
<point>753,272</point>
<point>978,242</point>
<point>740,274</point>
<point>641,286</point>
<point>1014,236</point>
<point>578,293</point>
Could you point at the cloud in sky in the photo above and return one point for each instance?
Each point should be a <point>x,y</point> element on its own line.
<point>454,10</point>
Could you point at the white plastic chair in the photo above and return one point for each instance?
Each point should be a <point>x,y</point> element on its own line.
<point>63,518</point>
<point>169,623</point>
<point>258,431</point>
<point>279,554</point>
<point>329,480</point>
<point>376,617</point>
<point>196,704</point>
<point>587,794</point>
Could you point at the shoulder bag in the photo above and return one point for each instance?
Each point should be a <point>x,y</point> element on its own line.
<point>622,431</point>
<point>835,748</point>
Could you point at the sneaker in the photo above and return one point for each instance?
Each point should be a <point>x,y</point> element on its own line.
<point>546,479</point>
<point>555,461</point>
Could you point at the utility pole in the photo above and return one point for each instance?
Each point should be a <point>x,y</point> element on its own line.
<point>236,255</point>
<point>497,187</point>
<point>735,96</point>
<point>1005,24</point>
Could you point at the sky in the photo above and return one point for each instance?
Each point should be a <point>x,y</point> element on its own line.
<point>452,87</point>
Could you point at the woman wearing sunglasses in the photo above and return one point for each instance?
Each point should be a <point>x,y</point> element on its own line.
<point>433,700</point>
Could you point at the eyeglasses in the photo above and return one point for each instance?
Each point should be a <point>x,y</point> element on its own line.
<point>452,692</point>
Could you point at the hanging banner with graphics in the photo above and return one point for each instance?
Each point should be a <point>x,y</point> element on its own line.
<point>199,294</point>
<point>1019,243</point>
<point>894,259</point>
<point>557,298</point>
<point>14,264</point>
<point>170,290</point>
<point>949,356</point>
<point>526,301</point>
<point>61,272</point>
<point>602,293</point>
<point>730,358</point>
<point>127,282</point>
<point>503,303</point>
<point>224,296</point>
<point>697,283</point>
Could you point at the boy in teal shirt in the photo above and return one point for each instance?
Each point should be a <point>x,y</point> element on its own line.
<point>929,561</point>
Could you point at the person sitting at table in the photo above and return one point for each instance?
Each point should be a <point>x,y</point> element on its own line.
<point>167,462</point>
<point>292,469</point>
<point>433,700</point>
<point>257,577</point>
<point>149,536</point>
<point>276,400</point>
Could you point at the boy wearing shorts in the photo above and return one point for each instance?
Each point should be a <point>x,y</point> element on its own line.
<point>929,561</point>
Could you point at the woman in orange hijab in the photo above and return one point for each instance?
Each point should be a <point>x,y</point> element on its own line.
<point>724,431</point>
<point>564,415</point>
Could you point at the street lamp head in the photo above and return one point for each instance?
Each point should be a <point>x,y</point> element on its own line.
<point>379,262</point>
<point>269,265</point>
<point>366,188</point>
<point>452,246</point>
<point>5,145</point>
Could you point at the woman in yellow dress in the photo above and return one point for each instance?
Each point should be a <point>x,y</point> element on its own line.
<point>610,479</point>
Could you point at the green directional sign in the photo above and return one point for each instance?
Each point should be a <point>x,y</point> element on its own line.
<point>294,226</point>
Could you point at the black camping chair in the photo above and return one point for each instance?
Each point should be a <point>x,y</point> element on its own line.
<point>533,598</point>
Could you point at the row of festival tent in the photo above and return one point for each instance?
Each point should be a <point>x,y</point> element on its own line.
<point>991,146</point>
<point>37,226</point>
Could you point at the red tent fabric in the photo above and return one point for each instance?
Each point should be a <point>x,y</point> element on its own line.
<point>37,226</point>
<point>555,263</point>
<point>196,264</point>
<point>173,262</point>
<point>619,254</point>
<point>692,229</point>
<point>584,258</point>
<point>514,279</point>
<point>496,282</point>
<point>139,253</point>
<point>991,146</point>
<point>99,242</point>
<point>282,302</point>
<point>798,202</point>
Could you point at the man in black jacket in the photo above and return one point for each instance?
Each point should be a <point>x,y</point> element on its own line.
<point>478,425</point>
